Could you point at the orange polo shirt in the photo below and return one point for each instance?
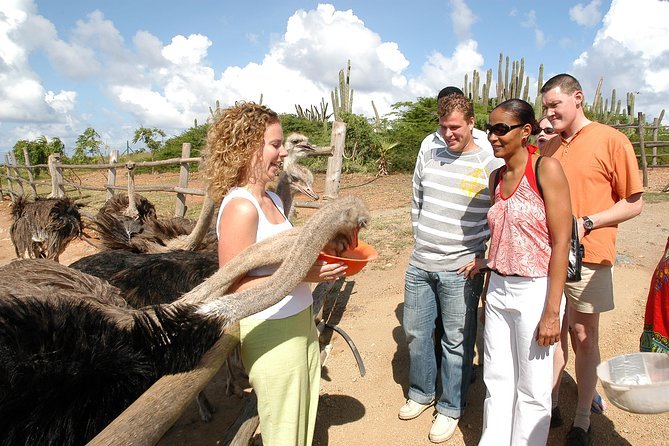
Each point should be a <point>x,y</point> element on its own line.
<point>601,169</point>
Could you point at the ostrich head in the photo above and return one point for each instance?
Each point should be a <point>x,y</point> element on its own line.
<point>298,147</point>
<point>299,179</point>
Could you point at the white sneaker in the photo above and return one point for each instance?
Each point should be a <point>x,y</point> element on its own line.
<point>442,428</point>
<point>412,409</point>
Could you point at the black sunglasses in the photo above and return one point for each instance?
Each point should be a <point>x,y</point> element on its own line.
<point>548,130</point>
<point>501,129</point>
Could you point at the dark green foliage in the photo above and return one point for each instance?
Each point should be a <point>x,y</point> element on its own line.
<point>87,147</point>
<point>317,132</point>
<point>362,147</point>
<point>38,150</point>
<point>411,123</point>
<point>196,136</point>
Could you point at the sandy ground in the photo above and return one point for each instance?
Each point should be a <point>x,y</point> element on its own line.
<point>357,410</point>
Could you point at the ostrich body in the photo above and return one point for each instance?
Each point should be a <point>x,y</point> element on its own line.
<point>43,228</point>
<point>72,358</point>
<point>147,233</point>
<point>150,279</point>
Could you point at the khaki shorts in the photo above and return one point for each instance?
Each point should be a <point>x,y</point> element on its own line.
<point>594,292</point>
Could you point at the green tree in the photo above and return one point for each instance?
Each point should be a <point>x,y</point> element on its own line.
<point>196,136</point>
<point>150,139</point>
<point>38,150</point>
<point>410,122</point>
<point>317,132</point>
<point>362,145</point>
<point>88,146</point>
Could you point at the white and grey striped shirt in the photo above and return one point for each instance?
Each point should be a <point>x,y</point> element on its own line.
<point>450,204</point>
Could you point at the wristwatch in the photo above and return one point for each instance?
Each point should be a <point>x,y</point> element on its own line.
<point>588,224</point>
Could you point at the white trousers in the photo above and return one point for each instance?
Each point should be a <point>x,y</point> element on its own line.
<point>518,373</point>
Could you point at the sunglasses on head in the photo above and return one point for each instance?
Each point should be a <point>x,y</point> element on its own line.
<point>547,130</point>
<point>501,129</point>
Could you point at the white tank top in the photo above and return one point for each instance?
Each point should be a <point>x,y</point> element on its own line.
<point>301,296</point>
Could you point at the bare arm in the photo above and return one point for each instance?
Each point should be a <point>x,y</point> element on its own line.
<point>621,211</point>
<point>558,216</point>
<point>238,227</point>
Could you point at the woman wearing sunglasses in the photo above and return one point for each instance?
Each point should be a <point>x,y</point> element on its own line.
<point>546,133</point>
<point>530,228</point>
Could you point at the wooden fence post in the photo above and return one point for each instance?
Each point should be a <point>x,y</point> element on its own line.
<point>9,180</point>
<point>656,126</point>
<point>657,122</point>
<point>111,173</point>
<point>180,206</point>
<point>642,149</point>
<point>12,157</point>
<point>56,172</point>
<point>30,172</point>
<point>333,175</point>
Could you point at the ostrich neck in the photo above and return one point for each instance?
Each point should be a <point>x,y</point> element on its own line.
<point>202,226</point>
<point>322,227</point>
<point>285,193</point>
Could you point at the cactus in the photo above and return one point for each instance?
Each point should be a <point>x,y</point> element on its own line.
<point>342,100</point>
<point>377,118</point>
<point>313,113</point>
<point>538,105</point>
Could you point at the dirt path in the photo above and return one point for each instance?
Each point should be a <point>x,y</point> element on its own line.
<point>358,410</point>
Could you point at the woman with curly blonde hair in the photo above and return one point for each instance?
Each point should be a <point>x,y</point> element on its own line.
<point>279,345</point>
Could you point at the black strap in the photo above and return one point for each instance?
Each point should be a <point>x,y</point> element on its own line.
<point>497,174</point>
<point>536,176</point>
<point>498,171</point>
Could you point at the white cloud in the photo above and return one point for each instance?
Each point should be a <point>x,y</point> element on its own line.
<point>531,22</point>
<point>539,38</point>
<point>440,71</point>
<point>187,51</point>
<point>588,15</point>
<point>462,19</point>
<point>630,58</point>
<point>62,102</point>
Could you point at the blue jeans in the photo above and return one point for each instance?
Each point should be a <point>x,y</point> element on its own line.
<point>426,296</point>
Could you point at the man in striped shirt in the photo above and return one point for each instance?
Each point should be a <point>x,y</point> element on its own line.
<point>449,207</point>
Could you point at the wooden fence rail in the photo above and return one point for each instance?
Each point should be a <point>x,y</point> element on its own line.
<point>156,410</point>
<point>58,183</point>
<point>654,143</point>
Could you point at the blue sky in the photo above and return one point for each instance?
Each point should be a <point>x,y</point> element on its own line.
<point>116,65</point>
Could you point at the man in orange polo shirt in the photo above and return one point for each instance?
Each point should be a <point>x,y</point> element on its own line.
<point>605,188</point>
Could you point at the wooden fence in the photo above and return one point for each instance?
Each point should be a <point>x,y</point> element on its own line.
<point>59,184</point>
<point>654,143</point>
<point>154,412</point>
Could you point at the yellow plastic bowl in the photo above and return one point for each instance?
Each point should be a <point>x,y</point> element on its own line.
<point>355,259</point>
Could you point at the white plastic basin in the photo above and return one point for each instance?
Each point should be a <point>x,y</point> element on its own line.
<point>637,382</point>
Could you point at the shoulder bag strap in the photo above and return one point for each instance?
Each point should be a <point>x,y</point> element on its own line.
<point>536,176</point>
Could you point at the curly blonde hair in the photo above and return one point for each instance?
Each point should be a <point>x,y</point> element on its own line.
<point>234,140</point>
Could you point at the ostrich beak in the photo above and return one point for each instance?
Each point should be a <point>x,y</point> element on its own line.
<point>306,190</point>
<point>305,147</point>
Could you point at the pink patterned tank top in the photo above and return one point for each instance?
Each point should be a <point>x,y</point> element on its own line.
<point>519,239</point>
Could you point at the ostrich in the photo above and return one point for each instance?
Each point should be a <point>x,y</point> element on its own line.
<point>72,356</point>
<point>150,279</point>
<point>294,178</point>
<point>43,228</point>
<point>149,234</point>
<point>132,224</point>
